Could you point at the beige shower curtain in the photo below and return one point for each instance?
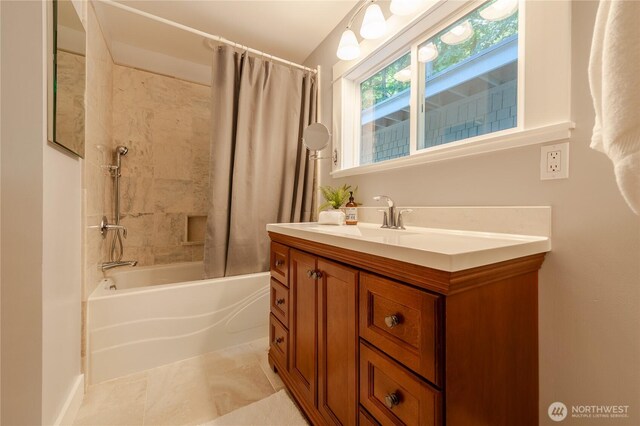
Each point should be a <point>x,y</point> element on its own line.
<point>259,170</point>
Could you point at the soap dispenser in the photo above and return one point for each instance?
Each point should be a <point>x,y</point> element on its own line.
<point>352,211</point>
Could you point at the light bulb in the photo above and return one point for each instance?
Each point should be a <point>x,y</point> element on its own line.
<point>403,75</point>
<point>458,34</point>
<point>499,10</point>
<point>404,7</point>
<point>428,52</point>
<point>348,48</point>
<point>373,23</point>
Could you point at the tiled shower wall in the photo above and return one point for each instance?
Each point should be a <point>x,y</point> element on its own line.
<point>165,124</point>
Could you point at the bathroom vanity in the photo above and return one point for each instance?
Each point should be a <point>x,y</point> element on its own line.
<point>420,327</point>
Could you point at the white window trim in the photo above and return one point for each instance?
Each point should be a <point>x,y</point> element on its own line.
<point>535,129</point>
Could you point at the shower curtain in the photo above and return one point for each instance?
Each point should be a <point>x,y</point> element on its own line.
<point>259,169</point>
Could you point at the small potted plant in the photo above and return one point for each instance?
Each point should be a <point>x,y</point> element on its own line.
<point>334,198</point>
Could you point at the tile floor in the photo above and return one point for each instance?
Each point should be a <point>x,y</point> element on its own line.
<point>188,392</point>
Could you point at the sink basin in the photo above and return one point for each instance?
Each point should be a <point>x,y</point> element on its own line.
<point>357,231</point>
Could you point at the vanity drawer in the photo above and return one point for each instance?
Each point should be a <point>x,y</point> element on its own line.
<point>278,342</point>
<point>365,419</point>
<point>394,395</point>
<point>280,302</point>
<point>403,322</point>
<point>279,263</point>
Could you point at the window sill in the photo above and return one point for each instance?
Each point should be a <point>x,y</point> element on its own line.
<point>479,145</point>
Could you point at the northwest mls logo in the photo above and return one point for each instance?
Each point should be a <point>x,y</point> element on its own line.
<point>557,411</point>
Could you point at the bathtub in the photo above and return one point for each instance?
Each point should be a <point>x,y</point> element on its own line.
<point>144,317</point>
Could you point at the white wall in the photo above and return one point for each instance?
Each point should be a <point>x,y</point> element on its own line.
<point>61,270</point>
<point>40,210</point>
<point>590,283</point>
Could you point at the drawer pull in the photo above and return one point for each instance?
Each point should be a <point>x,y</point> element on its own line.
<point>279,340</point>
<point>314,275</point>
<point>280,301</point>
<point>391,321</point>
<point>391,400</point>
<point>279,262</point>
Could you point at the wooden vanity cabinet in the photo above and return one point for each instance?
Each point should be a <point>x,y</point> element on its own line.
<point>362,339</point>
<point>322,337</point>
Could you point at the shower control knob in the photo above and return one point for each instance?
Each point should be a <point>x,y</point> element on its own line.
<point>280,301</point>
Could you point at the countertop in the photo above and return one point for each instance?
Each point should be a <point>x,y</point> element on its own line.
<point>443,249</point>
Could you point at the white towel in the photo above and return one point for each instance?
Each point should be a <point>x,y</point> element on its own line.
<point>614,77</point>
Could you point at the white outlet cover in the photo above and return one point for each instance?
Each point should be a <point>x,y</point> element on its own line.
<point>563,172</point>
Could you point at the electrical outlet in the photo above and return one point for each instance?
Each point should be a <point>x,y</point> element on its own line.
<point>554,161</point>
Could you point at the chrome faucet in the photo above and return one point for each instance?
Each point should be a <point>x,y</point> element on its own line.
<point>390,219</point>
<point>110,265</point>
<point>390,214</point>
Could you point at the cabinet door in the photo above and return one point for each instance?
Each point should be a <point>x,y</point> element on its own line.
<point>337,343</point>
<point>303,326</point>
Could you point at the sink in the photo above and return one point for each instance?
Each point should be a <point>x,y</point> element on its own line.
<point>368,233</point>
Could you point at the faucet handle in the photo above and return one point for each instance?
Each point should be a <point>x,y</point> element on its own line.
<point>385,218</point>
<point>400,224</point>
<point>106,226</point>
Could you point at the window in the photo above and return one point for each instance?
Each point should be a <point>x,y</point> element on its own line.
<point>469,81</point>
<point>451,83</point>
<point>384,112</point>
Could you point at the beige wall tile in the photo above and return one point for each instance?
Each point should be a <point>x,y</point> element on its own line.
<point>165,123</point>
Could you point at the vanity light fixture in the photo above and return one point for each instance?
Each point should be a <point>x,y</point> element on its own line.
<point>373,24</point>
<point>458,34</point>
<point>428,52</point>
<point>348,48</point>
<point>499,10</point>
<point>404,7</point>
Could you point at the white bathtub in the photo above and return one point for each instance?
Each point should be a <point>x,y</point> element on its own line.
<point>162,314</point>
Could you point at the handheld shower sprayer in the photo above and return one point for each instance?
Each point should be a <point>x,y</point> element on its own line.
<point>120,151</point>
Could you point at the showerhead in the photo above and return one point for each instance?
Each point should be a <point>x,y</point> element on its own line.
<point>122,150</point>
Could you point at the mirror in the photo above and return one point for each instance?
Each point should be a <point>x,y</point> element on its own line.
<point>67,71</point>
<point>316,137</point>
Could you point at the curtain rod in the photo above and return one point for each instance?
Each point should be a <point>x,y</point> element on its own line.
<point>207,36</point>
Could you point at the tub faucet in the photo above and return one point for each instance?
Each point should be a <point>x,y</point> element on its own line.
<point>391,215</point>
<point>110,265</point>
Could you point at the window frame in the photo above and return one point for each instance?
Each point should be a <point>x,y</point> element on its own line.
<point>357,120</point>
<point>352,73</point>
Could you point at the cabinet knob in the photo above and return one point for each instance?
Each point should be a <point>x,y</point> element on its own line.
<point>391,321</point>
<point>314,275</point>
<point>391,400</point>
<point>279,340</point>
<point>280,301</point>
<point>279,262</point>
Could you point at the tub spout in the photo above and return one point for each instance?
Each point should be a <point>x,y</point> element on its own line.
<point>110,265</point>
